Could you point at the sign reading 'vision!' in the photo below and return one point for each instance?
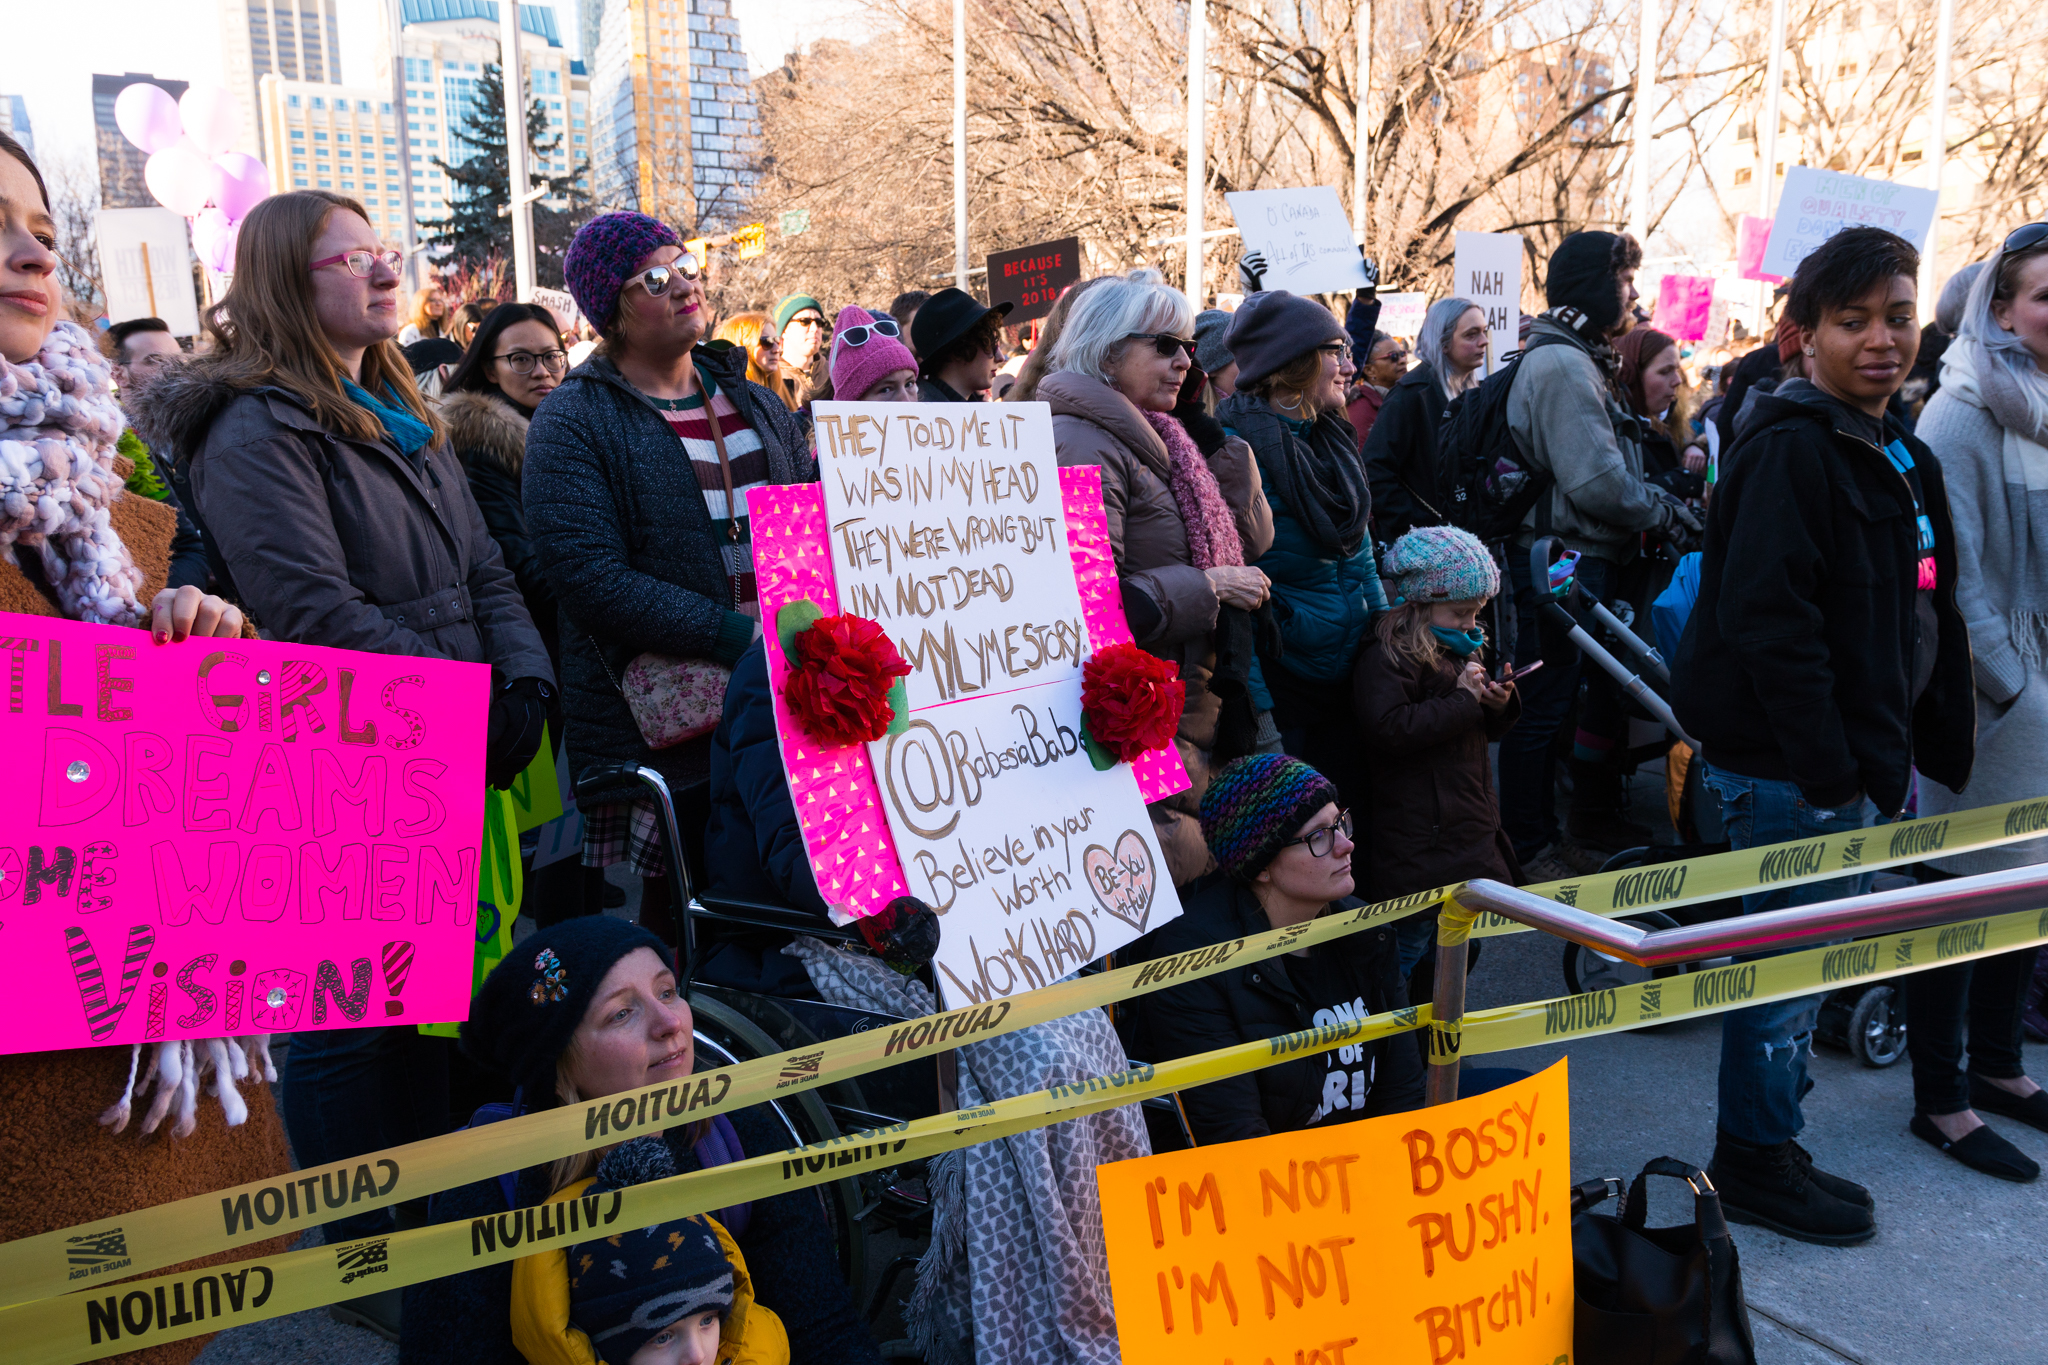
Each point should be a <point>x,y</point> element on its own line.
<point>233,836</point>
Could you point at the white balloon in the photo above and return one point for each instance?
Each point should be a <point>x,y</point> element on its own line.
<point>212,117</point>
<point>180,180</point>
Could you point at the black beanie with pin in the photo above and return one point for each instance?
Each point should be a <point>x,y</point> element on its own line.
<point>1584,274</point>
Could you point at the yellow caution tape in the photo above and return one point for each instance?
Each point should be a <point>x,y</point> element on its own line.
<point>36,1267</point>
<point>97,1323</point>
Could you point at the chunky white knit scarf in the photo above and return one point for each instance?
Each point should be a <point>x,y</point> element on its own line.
<point>58,426</point>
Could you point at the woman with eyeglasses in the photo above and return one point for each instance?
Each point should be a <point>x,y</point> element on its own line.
<point>324,482</point>
<point>637,473</point>
<point>1282,844</point>
<point>1184,521</point>
<point>1410,486</point>
<point>1988,426</point>
<point>1386,360</point>
<point>1293,360</point>
<point>429,316</point>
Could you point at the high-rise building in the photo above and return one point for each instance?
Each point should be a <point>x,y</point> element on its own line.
<point>677,127</point>
<point>298,40</point>
<point>121,161</point>
<point>589,16</point>
<point>336,137</point>
<point>14,121</point>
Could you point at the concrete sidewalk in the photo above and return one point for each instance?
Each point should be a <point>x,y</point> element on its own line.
<point>1959,1268</point>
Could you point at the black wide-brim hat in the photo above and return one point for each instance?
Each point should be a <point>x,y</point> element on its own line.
<point>947,316</point>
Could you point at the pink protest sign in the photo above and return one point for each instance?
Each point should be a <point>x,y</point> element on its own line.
<point>233,836</point>
<point>1683,302</point>
<point>1752,235</point>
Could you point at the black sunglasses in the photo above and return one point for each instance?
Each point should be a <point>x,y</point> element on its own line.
<point>2022,238</point>
<point>1165,343</point>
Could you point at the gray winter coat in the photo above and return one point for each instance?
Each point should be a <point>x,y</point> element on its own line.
<point>1565,418</point>
<point>333,541</point>
<point>624,537</point>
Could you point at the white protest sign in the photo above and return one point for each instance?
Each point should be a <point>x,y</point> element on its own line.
<point>1488,271</point>
<point>1815,205</point>
<point>1401,314</point>
<point>563,305</point>
<point>1304,235</point>
<point>146,268</point>
<point>948,527</point>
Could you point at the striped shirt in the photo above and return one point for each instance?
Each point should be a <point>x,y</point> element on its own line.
<point>749,471</point>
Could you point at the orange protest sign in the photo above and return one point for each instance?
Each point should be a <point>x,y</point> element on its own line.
<point>1416,1239</point>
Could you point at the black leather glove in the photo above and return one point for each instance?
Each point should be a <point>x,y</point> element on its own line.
<point>1679,526</point>
<point>1372,277</point>
<point>519,714</point>
<point>1251,272</point>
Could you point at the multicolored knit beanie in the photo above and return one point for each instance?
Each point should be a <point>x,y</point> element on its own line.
<point>1441,564</point>
<point>1257,804</point>
<point>603,256</point>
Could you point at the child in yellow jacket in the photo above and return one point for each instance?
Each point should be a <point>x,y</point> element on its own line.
<point>673,1294</point>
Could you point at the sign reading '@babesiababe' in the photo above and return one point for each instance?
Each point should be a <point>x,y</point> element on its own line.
<point>947,527</point>
<point>222,837</point>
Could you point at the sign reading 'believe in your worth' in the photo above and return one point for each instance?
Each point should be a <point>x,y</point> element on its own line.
<point>947,527</point>
<point>224,837</point>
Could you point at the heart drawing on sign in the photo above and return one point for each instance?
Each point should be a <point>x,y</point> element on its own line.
<point>1124,880</point>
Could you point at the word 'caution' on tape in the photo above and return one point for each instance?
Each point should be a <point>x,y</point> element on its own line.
<point>93,1324</point>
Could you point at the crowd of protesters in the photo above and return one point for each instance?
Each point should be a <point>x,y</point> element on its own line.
<point>1377,700</point>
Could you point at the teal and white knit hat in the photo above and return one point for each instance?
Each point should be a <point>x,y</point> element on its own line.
<point>1441,564</point>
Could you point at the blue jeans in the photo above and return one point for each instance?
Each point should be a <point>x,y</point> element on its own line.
<point>1764,1047</point>
<point>355,1090</point>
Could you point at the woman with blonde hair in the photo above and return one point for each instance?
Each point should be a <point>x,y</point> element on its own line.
<point>750,333</point>
<point>428,317</point>
<point>324,483</point>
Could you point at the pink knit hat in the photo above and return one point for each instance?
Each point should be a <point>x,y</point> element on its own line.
<point>856,369</point>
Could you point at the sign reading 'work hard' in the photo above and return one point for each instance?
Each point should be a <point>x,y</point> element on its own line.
<point>1032,278</point>
<point>1305,237</point>
<point>947,527</point>
<point>1416,1239</point>
<point>1488,271</point>
<point>1815,205</point>
<point>222,837</point>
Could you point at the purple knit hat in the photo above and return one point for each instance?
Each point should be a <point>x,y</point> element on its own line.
<point>856,369</point>
<point>1257,804</point>
<point>604,255</point>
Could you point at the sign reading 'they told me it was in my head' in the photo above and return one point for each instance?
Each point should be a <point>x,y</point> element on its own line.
<point>222,837</point>
<point>947,526</point>
<point>1423,1238</point>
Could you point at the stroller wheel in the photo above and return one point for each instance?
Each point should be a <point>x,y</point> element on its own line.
<point>1877,1027</point>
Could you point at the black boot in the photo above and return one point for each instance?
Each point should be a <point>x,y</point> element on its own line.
<point>1595,819</point>
<point>1778,1187</point>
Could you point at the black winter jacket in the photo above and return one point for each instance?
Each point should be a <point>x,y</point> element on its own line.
<point>1260,1000</point>
<point>1796,662</point>
<point>624,538</point>
<point>466,1319</point>
<point>752,845</point>
<point>328,540</point>
<point>1403,461</point>
<point>488,435</point>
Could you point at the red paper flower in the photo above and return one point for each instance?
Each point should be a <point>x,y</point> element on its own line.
<point>838,688</point>
<point>1132,700</point>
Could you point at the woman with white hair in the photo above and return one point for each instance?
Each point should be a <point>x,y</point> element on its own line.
<point>1183,521</point>
<point>1988,424</point>
<point>1410,486</point>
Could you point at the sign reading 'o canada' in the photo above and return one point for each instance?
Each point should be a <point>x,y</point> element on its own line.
<point>233,836</point>
<point>1032,277</point>
<point>948,527</point>
<point>1416,1239</point>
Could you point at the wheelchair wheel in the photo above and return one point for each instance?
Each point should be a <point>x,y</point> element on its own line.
<point>1877,1027</point>
<point>730,1037</point>
<point>1586,969</point>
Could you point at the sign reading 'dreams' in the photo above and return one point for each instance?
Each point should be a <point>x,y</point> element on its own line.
<point>948,527</point>
<point>1304,236</point>
<point>233,836</point>
<point>1815,205</point>
<point>1488,271</point>
<point>1032,277</point>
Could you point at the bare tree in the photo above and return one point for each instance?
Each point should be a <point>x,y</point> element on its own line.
<point>74,202</point>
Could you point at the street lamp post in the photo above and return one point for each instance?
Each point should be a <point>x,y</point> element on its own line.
<point>960,267</point>
<point>519,197</point>
<point>1767,144</point>
<point>1198,149</point>
<point>1937,151</point>
<point>1646,99</point>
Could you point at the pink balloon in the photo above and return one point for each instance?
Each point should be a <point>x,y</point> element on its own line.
<point>148,117</point>
<point>212,118</point>
<point>179,179</point>
<point>240,183</point>
<point>213,237</point>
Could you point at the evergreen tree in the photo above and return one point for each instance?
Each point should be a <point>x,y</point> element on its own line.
<point>474,227</point>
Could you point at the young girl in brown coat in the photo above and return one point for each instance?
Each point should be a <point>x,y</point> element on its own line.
<point>1428,711</point>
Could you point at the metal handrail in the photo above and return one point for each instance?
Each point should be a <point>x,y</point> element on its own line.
<point>1883,912</point>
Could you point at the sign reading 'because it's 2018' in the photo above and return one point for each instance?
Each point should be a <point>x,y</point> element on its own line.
<point>233,836</point>
<point>1031,278</point>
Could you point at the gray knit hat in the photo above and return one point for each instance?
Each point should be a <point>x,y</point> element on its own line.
<point>1442,564</point>
<point>1210,351</point>
<point>1271,329</point>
